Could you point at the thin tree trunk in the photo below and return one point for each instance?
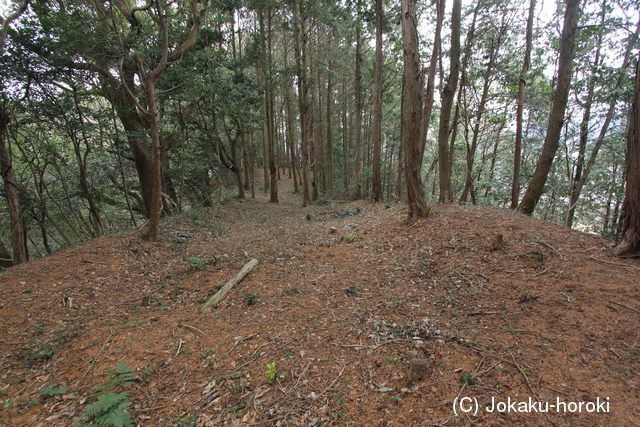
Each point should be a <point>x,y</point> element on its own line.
<point>82,166</point>
<point>431,77</point>
<point>358,114</point>
<point>522,82</point>
<point>558,108</point>
<point>330,107</point>
<point>301,40</point>
<point>448,95</point>
<point>579,184</point>
<point>471,151</point>
<point>273,167</point>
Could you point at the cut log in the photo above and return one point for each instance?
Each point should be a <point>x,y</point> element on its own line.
<point>215,299</point>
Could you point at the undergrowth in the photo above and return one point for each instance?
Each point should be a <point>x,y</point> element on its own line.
<point>111,409</point>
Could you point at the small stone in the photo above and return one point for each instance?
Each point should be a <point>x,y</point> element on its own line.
<point>333,230</point>
<point>350,238</point>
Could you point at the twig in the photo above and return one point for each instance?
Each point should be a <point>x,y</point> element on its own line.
<point>464,384</point>
<point>619,264</point>
<point>625,306</point>
<point>553,249</point>
<point>191,328</point>
<point>93,361</point>
<point>239,340</point>
<point>541,273</point>
<point>94,262</point>
<point>526,379</point>
<point>615,352</point>
<point>333,383</point>
<point>179,347</point>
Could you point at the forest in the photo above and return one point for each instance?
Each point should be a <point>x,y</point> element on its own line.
<point>319,213</point>
<point>117,113</point>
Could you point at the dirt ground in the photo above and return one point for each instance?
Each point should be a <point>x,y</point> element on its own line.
<point>322,331</point>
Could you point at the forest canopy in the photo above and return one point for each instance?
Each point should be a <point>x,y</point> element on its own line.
<point>114,113</point>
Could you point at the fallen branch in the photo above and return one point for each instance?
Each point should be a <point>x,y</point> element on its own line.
<point>526,379</point>
<point>215,299</point>
<point>191,328</point>
<point>619,264</point>
<point>553,249</point>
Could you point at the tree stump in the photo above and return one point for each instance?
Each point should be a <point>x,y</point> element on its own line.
<point>418,369</point>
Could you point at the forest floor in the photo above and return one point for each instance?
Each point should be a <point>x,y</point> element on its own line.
<point>321,332</point>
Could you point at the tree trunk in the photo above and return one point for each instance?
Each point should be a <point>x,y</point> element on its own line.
<point>358,114</point>
<point>81,159</point>
<point>376,184</point>
<point>630,216</point>
<point>496,42</point>
<point>522,82</point>
<point>448,95</point>
<point>412,101</point>
<point>301,41</point>
<point>579,183</point>
<point>18,245</point>
<point>330,106</point>
<point>431,77</point>
<point>270,108</point>
<point>558,108</point>
<point>11,192</point>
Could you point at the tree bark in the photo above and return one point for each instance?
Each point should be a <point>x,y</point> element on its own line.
<point>630,217</point>
<point>11,192</point>
<point>218,296</point>
<point>558,108</point>
<point>412,111</point>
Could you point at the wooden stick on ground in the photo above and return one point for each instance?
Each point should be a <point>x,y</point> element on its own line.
<point>215,299</point>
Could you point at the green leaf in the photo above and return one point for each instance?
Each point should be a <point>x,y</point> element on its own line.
<point>236,408</point>
<point>53,390</point>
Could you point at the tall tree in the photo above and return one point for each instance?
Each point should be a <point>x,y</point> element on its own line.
<point>150,111</point>
<point>522,82</point>
<point>376,183</point>
<point>301,40</point>
<point>6,166</point>
<point>558,108</point>
<point>357,166</point>
<point>630,218</point>
<point>448,95</point>
<point>412,111</point>
<point>431,76</point>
